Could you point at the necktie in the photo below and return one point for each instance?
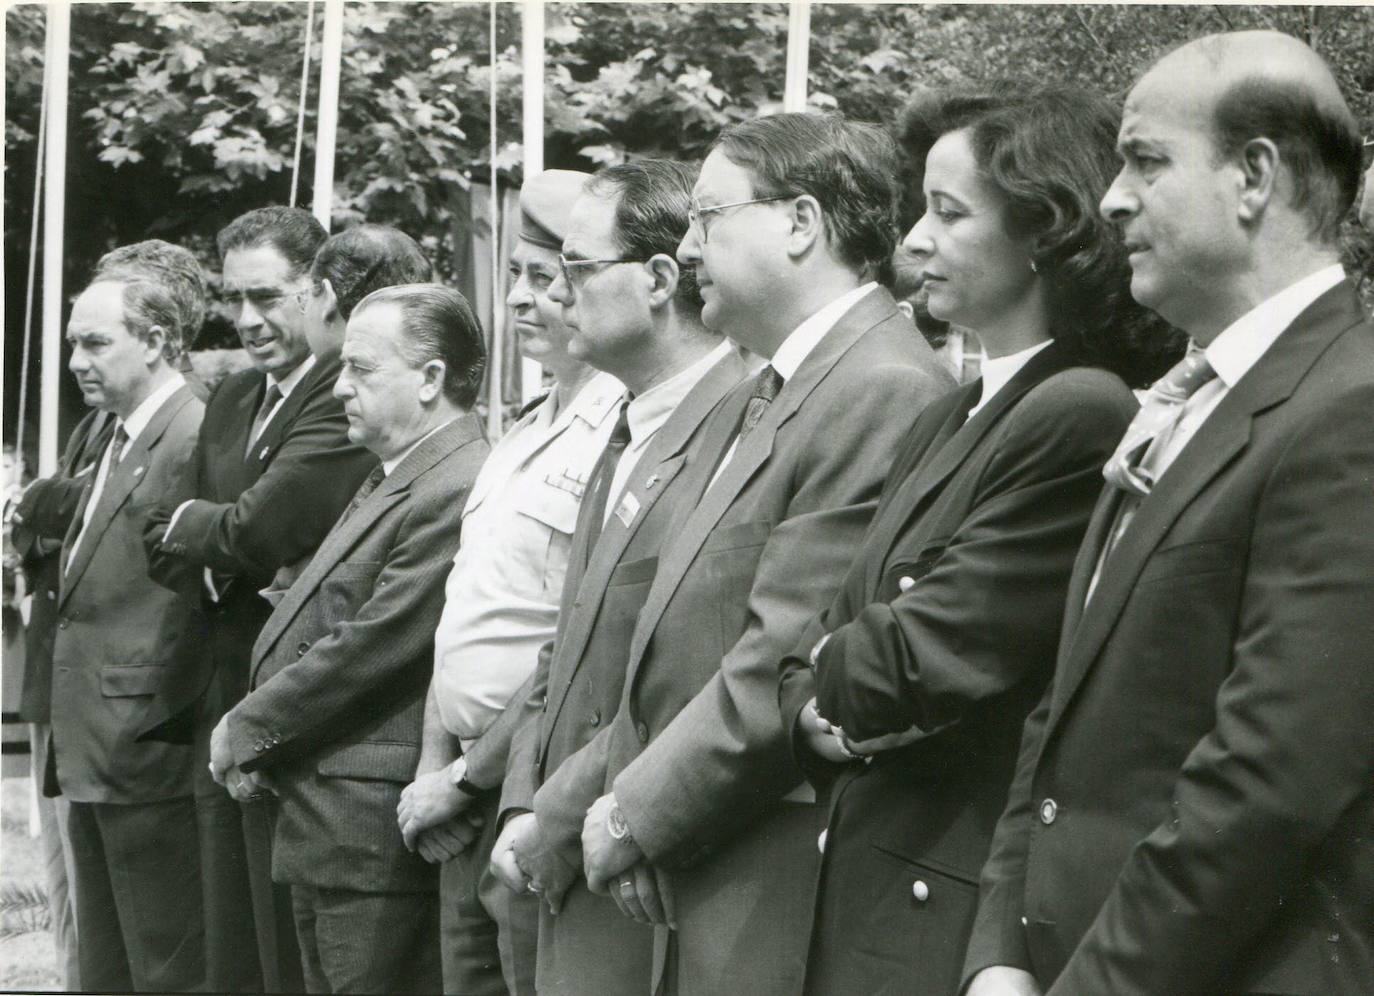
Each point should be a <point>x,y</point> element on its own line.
<point>1156,422</point>
<point>270,398</point>
<point>766,387</point>
<point>118,441</point>
<point>599,491</point>
<point>368,486</point>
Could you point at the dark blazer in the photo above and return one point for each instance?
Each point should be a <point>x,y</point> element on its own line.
<point>254,515</point>
<point>340,671</point>
<point>591,947</point>
<point>42,518</point>
<point>948,621</point>
<point>697,755</point>
<point>119,635</point>
<point>1193,803</point>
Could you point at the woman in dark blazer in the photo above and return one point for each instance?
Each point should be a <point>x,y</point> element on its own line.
<point>944,632</point>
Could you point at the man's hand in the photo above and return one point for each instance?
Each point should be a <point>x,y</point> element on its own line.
<point>547,872</point>
<point>447,840</point>
<point>1003,980</point>
<point>876,745</point>
<point>503,863</point>
<point>820,736</point>
<point>221,757</point>
<point>248,786</point>
<point>637,895</point>
<point>603,856</point>
<point>429,801</point>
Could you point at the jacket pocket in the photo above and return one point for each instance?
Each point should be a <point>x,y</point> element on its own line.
<point>125,680</point>
<point>371,760</point>
<point>1220,556</point>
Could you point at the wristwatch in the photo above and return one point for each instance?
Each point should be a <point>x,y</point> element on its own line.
<point>616,824</point>
<point>458,774</point>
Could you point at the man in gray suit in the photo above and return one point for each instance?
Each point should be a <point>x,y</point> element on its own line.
<point>118,636</point>
<point>793,222</point>
<point>332,721</point>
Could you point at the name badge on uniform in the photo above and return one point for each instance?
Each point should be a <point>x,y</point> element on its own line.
<point>627,509</point>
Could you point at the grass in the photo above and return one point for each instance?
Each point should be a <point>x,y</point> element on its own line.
<point>27,960</point>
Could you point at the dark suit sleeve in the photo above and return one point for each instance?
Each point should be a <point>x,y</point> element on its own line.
<point>289,509</point>
<point>725,756</point>
<point>1291,751</point>
<point>307,702</point>
<point>47,507</point>
<point>990,607</point>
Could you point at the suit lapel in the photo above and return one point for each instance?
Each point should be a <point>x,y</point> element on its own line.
<point>272,432</point>
<point>347,532</point>
<point>1220,439</point>
<point>119,484</point>
<point>657,469</point>
<point>956,441</point>
<point>751,454</point>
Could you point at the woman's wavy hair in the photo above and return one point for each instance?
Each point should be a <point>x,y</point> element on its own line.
<point>1050,150</point>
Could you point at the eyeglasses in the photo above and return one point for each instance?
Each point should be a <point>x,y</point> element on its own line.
<point>262,301</point>
<point>696,214</point>
<point>567,266</point>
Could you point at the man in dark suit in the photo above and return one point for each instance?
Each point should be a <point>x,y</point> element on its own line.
<point>119,636</point>
<point>41,519</point>
<point>339,672</point>
<point>704,813</point>
<point>1192,805</point>
<point>640,322</point>
<point>274,469</point>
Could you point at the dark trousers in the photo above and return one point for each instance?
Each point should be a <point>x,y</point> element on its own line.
<point>279,954</point>
<point>490,934</point>
<point>138,909</point>
<point>368,942</point>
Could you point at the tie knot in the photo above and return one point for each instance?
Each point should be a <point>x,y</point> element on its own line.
<point>1185,377</point>
<point>767,384</point>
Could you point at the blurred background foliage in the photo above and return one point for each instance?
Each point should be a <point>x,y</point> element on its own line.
<point>184,115</point>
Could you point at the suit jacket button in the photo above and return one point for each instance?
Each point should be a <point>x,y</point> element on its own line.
<point>301,648</point>
<point>920,891</point>
<point>820,841</point>
<point>62,623</point>
<point>595,717</point>
<point>643,730</point>
<point>1049,810</point>
<point>52,594</point>
<point>903,583</point>
<point>259,746</point>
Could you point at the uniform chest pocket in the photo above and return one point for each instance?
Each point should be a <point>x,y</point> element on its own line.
<point>546,516</point>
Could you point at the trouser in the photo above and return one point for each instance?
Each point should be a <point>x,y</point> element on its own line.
<point>138,907</point>
<point>489,934</point>
<point>368,942</point>
<point>57,860</point>
<point>273,903</point>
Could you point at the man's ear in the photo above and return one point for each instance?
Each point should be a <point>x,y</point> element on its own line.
<point>155,345</point>
<point>1259,165</point>
<point>331,301</point>
<point>433,386</point>
<point>808,222</point>
<point>665,273</point>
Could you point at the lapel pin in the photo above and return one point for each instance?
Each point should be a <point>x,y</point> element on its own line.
<point>138,471</point>
<point>653,479</point>
<point>263,454</point>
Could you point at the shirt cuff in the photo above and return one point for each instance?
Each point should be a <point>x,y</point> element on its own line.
<point>172,522</point>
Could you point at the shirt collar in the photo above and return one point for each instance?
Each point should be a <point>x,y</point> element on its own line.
<point>389,465</point>
<point>998,371</point>
<point>288,383</point>
<point>648,411</point>
<point>806,336</point>
<point>140,417</point>
<point>1245,340</point>
<point>592,404</point>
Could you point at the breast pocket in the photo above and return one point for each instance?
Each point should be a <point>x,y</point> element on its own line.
<point>547,515</point>
<point>347,587</point>
<point>1195,559</point>
<point>731,558</point>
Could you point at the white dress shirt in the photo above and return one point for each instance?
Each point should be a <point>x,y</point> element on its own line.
<point>998,372</point>
<point>501,598</point>
<point>133,425</point>
<point>1231,354</point>
<point>798,345</point>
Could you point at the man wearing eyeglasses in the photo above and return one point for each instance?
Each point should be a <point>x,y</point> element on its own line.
<point>274,471</point>
<point>793,224</point>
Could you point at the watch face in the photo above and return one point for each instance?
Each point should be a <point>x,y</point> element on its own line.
<point>616,824</point>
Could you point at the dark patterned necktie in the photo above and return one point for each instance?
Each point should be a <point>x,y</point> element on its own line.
<point>766,387</point>
<point>368,486</point>
<point>599,490</point>
<point>118,442</point>
<point>270,398</point>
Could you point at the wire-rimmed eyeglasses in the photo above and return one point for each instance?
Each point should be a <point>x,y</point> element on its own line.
<point>696,214</point>
<point>566,266</point>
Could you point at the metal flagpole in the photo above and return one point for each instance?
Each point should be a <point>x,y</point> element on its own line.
<point>305,92</point>
<point>494,405</point>
<point>532,122</point>
<point>798,54</point>
<point>331,52</point>
<point>55,67</point>
<point>34,228</point>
